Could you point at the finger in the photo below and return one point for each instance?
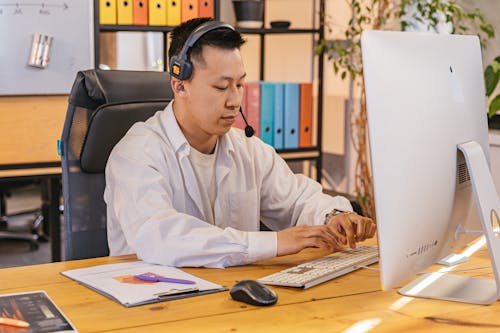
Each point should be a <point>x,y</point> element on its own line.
<point>373,229</point>
<point>325,245</point>
<point>336,229</point>
<point>332,239</point>
<point>318,242</point>
<point>332,247</point>
<point>336,244</point>
<point>349,231</point>
<point>339,246</point>
<point>320,231</point>
<point>360,231</point>
<point>365,227</point>
<point>370,228</point>
<point>336,240</point>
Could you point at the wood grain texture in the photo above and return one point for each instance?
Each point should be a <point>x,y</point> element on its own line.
<point>30,127</point>
<point>354,301</point>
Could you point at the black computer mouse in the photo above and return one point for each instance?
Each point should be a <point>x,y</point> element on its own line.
<point>253,292</point>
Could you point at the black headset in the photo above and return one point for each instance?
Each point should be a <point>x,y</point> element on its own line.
<point>180,65</point>
<point>182,68</point>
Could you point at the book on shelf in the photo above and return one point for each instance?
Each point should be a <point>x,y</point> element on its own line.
<point>107,12</point>
<point>157,13</point>
<point>252,103</point>
<point>291,109</point>
<point>138,283</point>
<point>279,122</point>
<point>189,9</point>
<point>124,12</point>
<point>267,103</point>
<point>305,115</point>
<point>140,13</point>
<point>206,8</point>
<point>173,12</point>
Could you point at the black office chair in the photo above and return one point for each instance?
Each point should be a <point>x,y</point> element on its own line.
<point>32,233</point>
<point>103,105</point>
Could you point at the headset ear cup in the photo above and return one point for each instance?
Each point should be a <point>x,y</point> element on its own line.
<point>180,68</point>
<point>175,67</point>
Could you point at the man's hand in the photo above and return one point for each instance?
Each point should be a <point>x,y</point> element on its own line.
<point>342,230</point>
<point>350,228</point>
<point>295,239</point>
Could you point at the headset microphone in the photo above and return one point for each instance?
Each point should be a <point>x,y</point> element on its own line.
<point>249,131</point>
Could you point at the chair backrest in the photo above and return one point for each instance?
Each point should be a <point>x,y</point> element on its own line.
<point>102,106</point>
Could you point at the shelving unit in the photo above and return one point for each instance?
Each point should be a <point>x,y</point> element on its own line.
<point>301,154</point>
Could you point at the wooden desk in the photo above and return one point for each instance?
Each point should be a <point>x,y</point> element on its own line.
<point>341,305</point>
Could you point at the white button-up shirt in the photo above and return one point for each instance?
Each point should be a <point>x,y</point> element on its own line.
<point>154,206</point>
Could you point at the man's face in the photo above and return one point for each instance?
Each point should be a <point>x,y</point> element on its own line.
<point>215,91</point>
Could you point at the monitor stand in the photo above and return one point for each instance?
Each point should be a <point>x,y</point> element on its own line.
<point>461,288</point>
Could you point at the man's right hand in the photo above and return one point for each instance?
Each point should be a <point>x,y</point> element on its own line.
<point>295,239</point>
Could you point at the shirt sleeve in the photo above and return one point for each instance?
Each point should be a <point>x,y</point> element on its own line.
<point>140,205</point>
<point>294,199</point>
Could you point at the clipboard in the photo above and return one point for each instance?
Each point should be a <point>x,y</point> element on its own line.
<point>117,282</point>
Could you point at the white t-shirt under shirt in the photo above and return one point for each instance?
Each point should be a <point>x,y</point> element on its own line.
<point>204,169</point>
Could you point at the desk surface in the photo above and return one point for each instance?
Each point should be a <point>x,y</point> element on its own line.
<point>352,303</point>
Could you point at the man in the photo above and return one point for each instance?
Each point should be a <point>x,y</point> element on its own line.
<point>186,189</point>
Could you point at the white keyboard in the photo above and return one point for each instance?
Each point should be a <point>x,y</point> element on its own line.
<point>320,270</point>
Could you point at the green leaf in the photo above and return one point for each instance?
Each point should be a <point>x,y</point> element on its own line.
<point>320,48</point>
<point>494,106</point>
<point>491,78</point>
<point>488,30</point>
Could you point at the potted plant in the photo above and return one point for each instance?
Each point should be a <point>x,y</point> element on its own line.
<point>345,55</point>
<point>491,78</point>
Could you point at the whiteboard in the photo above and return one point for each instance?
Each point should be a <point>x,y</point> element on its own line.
<point>69,22</point>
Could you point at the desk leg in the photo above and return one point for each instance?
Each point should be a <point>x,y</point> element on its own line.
<point>55,218</point>
<point>45,232</point>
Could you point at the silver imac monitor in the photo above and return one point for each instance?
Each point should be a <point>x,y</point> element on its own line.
<point>425,98</point>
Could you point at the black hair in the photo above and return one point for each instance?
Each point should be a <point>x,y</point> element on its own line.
<point>223,38</point>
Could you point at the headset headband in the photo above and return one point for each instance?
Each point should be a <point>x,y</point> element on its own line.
<point>180,66</point>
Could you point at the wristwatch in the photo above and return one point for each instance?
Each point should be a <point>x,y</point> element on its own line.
<point>334,212</point>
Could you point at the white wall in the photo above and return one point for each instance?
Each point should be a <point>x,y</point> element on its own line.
<point>491,10</point>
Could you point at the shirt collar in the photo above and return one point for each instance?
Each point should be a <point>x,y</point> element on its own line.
<point>173,131</point>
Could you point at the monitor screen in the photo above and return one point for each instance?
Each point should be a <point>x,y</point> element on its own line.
<point>425,96</point>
